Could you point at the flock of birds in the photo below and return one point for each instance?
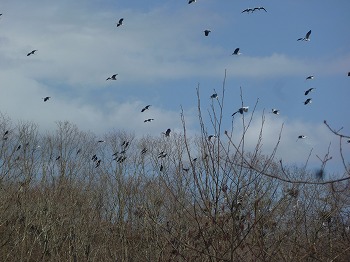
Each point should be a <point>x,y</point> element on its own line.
<point>120,156</point>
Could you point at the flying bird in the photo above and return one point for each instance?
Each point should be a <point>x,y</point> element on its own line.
<point>241,110</point>
<point>236,52</point>
<point>308,91</point>
<point>306,38</point>
<point>301,137</point>
<point>32,52</point>
<point>145,108</point>
<point>348,73</point>
<point>310,77</point>
<point>46,98</point>
<point>259,8</point>
<point>191,1</point>
<point>247,10</point>
<point>148,120</point>
<point>120,22</point>
<point>308,101</point>
<point>275,111</point>
<point>206,32</point>
<point>167,132</point>
<point>113,77</point>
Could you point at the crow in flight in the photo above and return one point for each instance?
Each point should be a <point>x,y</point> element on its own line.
<point>113,77</point>
<point>120,22</point>
<point>32,52</point>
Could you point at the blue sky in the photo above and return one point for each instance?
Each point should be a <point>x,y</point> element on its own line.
<point>161,55</point>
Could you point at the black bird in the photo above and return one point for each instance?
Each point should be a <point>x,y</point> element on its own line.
<point>46,98</point>
<point>32,52</point>
<point>308,101</point>
<point>113,77</point>
<point>98,163</point>
<point>94,158</point>
<point>148,120</point>
<point>162,154</point>
<point>306,38</point>
<point>348,141</point>
<point>259,8</point>
<point>275,111</point>
<point>101,141</point>
<point>144,150</point>
<point>186,169</point>
<point>120,22</point>
<point>79,150</point>
<point>6,133</point>
<point>145,108</point>
<point>301,137</point>
<point>215,95</point>
<point>247,10</point>
<point>348,73</point>
<point>161,168</point>
<point>191,1</point>
<point>308,91</point>
<point>241,110</point>
<point>211,136</point>
<point>167,132</point>
<point>236,52</point>
<point>206,32</point>
<point>18,148</point>
<point>58,158</point>
<point>310,77</point>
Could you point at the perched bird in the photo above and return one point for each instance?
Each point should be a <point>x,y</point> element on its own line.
<point>247,10</point>
<point>162,154</point>
<point>215,95</point>
<point>113,77</point>
<point>144,150</point>
<point>301,137</point>
<point>308,91</point>
<point>206,32</point>
<point>275,111</point>
<point>32,52</point>
<point>148,120</point>
<point>46,98</point>
<point>259,8</point>
<point>145,108</point>
<point>241,110</point>
<point>167,132</point>
<point>120,22</point>
<point>211,136</point>
<point>310,77</point>
<point>236,52</point>
<point>191,1</point>
<point>308,101</point>
<point>306,38</point>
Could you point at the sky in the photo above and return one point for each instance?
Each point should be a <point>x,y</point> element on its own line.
<point>161,57</point>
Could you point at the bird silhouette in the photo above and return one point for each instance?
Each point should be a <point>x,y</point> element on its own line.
<point>31,52</point>
<point>275,111</point>
<point>206,32</point>
<point>46,98</point>
<point>301,137</point>
<point>113,77</point>
<point>145,108</point>
<point>236,52</point>
<point>215,95</point>
<point>247,10</point>
<point>308,91</point>
<point>120,22</point>
<point>310,77</point>
<point>148,120</point>
<point>259,8</point>
<point>191,1</point>
<point>306,38</point>
<point>308,101</point>
<point>241,110</point>
<point>167,132</point>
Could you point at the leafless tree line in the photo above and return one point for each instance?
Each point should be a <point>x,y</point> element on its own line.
<point>65,196</point>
